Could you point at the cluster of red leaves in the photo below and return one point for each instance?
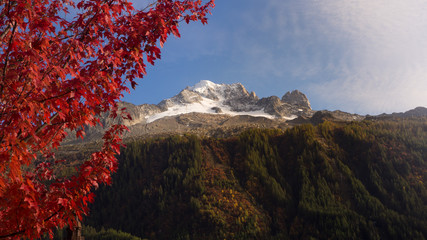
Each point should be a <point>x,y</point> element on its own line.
<point>58,74</point>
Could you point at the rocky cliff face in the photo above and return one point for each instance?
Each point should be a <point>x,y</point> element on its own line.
<point>296,98</point>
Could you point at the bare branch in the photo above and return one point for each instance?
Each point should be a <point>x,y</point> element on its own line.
<point>6,31</point>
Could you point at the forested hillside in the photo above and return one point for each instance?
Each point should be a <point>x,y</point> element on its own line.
<point>362,180</point>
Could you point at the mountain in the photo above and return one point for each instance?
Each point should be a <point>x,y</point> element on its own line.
<point>215,110</point>
<point>230,99</point>
<point>217,162</point>
<point>416,112</point>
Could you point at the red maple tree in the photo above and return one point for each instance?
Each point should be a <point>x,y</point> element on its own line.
<point>58,72</point>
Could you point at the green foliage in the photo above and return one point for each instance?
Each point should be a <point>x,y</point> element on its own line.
<point>362,180</point>
<point>90,233</point>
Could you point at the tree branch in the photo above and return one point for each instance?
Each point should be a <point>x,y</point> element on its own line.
<point>8,50</point>
<point>150,5</point>
<point>6,31</point>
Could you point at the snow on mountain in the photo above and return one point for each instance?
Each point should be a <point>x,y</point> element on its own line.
<point>205,106</point>
<point>215,91</point>
<point>230,99</point>
<point>206,88</point>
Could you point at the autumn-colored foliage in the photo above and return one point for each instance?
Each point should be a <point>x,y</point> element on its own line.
<point>62,64</point>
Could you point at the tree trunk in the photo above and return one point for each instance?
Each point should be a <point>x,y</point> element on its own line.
<point>75,233</point>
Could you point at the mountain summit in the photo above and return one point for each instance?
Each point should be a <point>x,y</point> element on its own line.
<point>230,99</point>
<point>215,91</point>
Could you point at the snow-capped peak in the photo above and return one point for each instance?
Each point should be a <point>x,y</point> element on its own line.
<point>216,92</point>
<point>204,86</point>
<point>231,99</point>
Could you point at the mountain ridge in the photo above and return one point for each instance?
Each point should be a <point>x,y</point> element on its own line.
<point>232,99</point>
<point>214,109</point>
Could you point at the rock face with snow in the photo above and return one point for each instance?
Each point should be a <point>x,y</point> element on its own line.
<point>210,108</point>
<point>231,99</point>
<point>234,96</point>
<point>184,97</point>
<point>228,99</point>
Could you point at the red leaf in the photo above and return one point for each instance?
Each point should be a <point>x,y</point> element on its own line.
<point>60,74</point>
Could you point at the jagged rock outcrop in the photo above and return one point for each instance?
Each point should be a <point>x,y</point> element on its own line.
<point>272,105</point>
<point>186,96</point>
<point>296,98</point>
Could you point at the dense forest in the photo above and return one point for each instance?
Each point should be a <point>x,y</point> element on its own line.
<point>360,180</point>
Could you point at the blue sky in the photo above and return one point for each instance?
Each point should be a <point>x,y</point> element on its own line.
<point>361,56</point>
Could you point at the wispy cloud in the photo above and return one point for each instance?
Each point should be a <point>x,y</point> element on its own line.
<point>281,45</point>
<point>366,56</point>
<point>384,68</point>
